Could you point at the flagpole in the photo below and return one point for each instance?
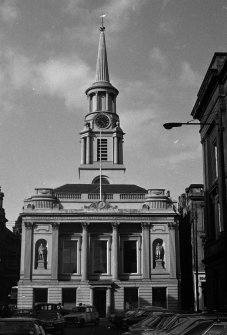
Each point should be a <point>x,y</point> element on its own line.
<point>100,168</point>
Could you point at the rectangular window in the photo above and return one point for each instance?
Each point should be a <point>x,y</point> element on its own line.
<point>69,297</point>
<point>102,149</point>
<point>130,256</point>
<point>131,297</point>
<point>159,297</point>
<point>69,257</point>
<point>99,256</point>
<point>40,295</point>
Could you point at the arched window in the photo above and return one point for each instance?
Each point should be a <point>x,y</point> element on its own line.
<point>104,180</point>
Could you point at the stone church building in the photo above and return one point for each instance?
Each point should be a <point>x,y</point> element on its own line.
<point>100,241</point>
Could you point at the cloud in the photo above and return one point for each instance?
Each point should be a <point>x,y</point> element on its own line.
<point>117,12</point>
<point>66,78</point>
<point>8,11</point>
<point>157,57</point>
<point>188,77</point>
<point>167,27</point>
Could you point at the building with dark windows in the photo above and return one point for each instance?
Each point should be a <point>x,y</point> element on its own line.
<point>210,110</point>
<point>9,256</point>
<point>192,238</point>
<point>100,241</point>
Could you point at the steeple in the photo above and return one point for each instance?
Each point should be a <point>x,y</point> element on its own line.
<point>102,72</point>
<point>102,137</point>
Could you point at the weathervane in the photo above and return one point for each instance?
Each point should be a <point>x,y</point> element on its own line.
<point>102,28</point>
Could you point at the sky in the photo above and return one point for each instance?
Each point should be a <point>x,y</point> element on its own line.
<point>158,54</point>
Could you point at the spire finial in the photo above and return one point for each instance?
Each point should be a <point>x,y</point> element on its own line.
<point>102,28</point>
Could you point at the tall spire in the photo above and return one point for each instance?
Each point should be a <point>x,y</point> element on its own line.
<point>102,73</point>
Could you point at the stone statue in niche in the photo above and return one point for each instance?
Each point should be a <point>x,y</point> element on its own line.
<point>158,254</point>
<point>41,254</point>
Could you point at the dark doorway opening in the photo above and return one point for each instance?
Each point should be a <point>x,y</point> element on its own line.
<point>69,297</point>
<point>99,301</point>
<point>131,297</point>
<point>159,296</point>
<point>40,295</point>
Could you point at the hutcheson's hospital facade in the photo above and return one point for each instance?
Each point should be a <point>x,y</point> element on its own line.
<point>100,241</point>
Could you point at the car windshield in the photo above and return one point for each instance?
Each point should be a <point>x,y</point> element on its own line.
<point>217,329</point>
<point>79,310</point>
<point>16,328</point>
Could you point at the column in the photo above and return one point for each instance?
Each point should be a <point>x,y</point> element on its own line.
<point>54,261</point>
<point>115,250</point>
<point>84,257</point>
<point>96,102</point>
<point>108,301</point>
<point>115,150</point>
<point>28,250</point>
<point>88,151</point>
<point>82,161</point>
<point>172,248</point>
<point>146,249</point>
<point>120,151</point>
<point>107,101</point>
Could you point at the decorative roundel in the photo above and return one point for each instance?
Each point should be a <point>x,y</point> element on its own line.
<point>102,120</point>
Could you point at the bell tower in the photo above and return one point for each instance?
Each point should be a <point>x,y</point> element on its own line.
<point>102,137</point>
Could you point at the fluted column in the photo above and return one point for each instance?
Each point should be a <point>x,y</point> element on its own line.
<point>115,250</point>
<point>54,260</point>
<point>84,250</point>
<point>88,150</point>
<point>82,161</point>
<point>146,249</point>
<point>28,250</point>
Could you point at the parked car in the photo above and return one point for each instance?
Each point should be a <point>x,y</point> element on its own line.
<point>140,314</point>
<point>156,321</point>
<point>50,307</point>
<point>5,311</point>
<point>22,312</point>
<point>117,318</point>
<point>180,324</point>
<point>21,326</point>
<point>81,315</point>
<point>217,328</point>
<point>52,320</point>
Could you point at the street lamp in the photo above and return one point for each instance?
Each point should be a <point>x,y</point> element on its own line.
<point>171,125</point>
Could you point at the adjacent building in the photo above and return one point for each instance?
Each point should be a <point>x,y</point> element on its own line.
<point>210,110</point>
<point>100,241</point>
<point>192,237</point>
<point>9,256</point>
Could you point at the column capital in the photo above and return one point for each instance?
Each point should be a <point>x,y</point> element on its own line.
<point>85,225</point>
<point>145,225</point>
<point>55,225</point>
<point>115,225</point>
<point>28,225</point>
<point>172,225</point>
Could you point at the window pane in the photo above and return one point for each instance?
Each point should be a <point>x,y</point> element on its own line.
<point>130,257</point>
<point>131,297</point>
<point>70,257</point>
<point>100,257</point>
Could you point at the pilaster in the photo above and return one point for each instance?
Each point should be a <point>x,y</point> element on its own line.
<point>54,261</point>
<point>146,249</point>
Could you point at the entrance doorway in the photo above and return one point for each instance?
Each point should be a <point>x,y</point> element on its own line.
<point>40,295</point>
<point>99,301</point>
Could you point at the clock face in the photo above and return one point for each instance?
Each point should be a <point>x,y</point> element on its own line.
<point>102,121</point>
